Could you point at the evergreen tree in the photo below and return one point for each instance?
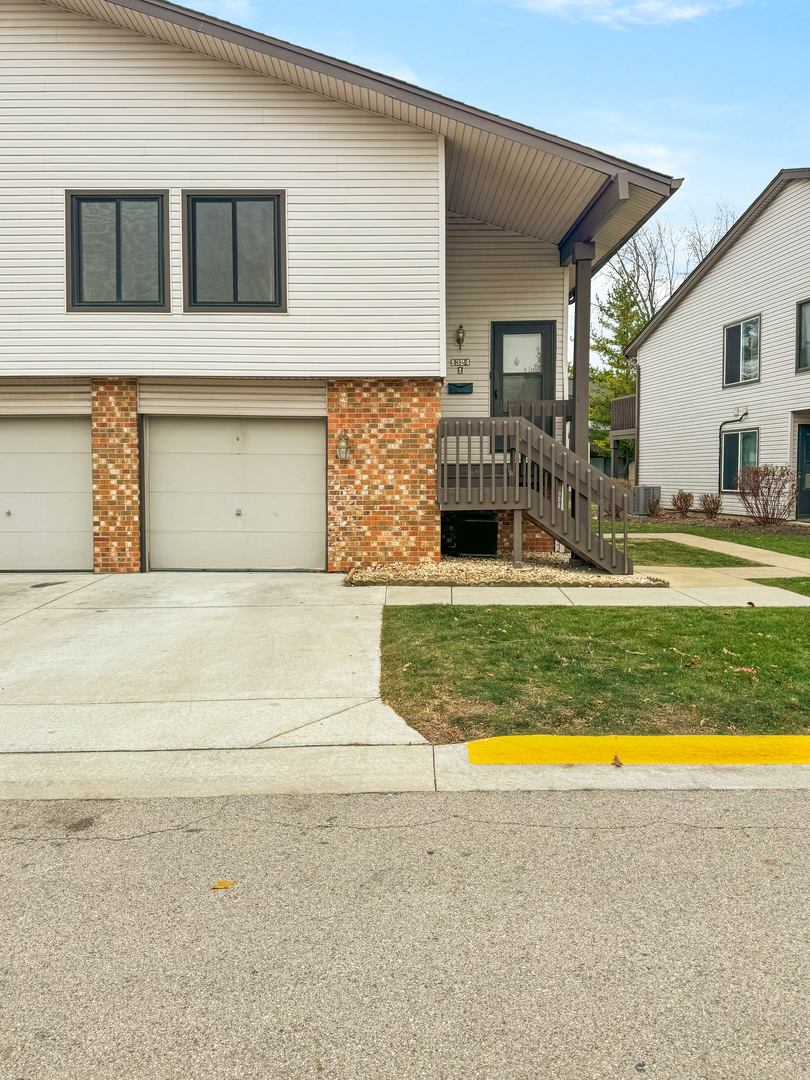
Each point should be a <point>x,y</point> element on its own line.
<point>620,318</point>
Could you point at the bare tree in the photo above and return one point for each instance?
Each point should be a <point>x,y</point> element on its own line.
<point>699,236</point>
<point>659,256</point>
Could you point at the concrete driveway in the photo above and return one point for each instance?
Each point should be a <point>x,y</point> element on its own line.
<point>190,661</point>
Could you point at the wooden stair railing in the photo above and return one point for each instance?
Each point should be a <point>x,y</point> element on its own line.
<point>494,463</point>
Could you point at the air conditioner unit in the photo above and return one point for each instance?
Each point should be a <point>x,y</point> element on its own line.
<point>640,497</point>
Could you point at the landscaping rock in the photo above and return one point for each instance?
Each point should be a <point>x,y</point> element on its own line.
<point>541,569</point>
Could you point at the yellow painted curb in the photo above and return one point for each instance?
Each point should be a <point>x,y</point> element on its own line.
<point>641,750</point>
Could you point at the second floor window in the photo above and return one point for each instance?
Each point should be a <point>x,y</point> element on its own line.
<point>803,337</point>
<point>234,252</point>
<point>116,252</point>
<point>741,352</point>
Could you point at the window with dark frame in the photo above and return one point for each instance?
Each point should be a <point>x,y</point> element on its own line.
<point>803,337</point>
<point>741,352</point>
<point>740,449</point>
<point>234,252</point>
<point>117,252</point>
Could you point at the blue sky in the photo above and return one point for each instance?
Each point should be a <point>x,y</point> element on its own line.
<point>716,91</point>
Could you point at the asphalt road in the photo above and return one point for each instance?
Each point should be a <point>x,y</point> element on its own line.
<point>475,936</point>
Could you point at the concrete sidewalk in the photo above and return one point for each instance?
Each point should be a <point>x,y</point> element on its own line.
<point>743,551</point>
<point>695,588</point>
<point>690,586</point>
<point>345,770</point>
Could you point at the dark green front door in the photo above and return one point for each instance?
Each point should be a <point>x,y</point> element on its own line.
<point>803,507</point>
<point>522,363</point>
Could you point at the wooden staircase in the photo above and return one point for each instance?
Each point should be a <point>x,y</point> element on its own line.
<point>494,463</point>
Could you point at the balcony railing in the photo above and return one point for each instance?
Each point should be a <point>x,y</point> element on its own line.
<point>623,415</point>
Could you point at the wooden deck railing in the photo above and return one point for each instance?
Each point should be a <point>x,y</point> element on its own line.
<point>494,463</point>
<point>543,413</point>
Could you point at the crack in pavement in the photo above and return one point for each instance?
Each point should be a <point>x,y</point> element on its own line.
<point>414,825</point>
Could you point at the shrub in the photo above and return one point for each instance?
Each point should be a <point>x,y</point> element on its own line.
<point>711,504</point>
<point>682,503</point>
<point>768,492</point>
<point>652,505</point>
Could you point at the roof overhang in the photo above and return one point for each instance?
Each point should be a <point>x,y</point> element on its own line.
<point>498,171</point>
<point>740,226</point>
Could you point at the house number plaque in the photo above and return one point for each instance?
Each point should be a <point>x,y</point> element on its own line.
<point>457,361</point>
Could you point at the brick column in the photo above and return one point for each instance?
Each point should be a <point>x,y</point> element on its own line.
<point>382,501</point>
<point>116,479</point>
<point>534,538</point>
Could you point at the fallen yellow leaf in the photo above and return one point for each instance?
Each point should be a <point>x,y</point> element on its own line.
<point>222,884</point>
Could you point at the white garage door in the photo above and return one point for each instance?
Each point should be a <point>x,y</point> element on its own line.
<point>46,500</point>
<point>236,494</point>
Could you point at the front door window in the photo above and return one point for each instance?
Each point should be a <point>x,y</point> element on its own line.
<point>522,364</point>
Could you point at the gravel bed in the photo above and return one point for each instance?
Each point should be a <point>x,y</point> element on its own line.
<point>539,569</point>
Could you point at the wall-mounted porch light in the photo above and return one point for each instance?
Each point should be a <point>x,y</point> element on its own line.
<point>460,335</point>
<point>342,448</point>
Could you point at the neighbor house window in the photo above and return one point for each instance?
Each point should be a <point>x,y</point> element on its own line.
<point>741,353</point>
<point>235,252</point>
<point>803,337</point>
<point>117,252</point>
<point>740,448</point>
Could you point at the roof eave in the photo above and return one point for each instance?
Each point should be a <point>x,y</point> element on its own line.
<point>197,22</point>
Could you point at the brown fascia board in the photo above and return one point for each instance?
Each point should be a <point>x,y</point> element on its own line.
<point>402,91</point>
<point>741,226</point>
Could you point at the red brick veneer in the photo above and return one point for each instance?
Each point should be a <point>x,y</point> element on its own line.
<point>382,501</point>
<point>116,482</point>
<point>533,537</point>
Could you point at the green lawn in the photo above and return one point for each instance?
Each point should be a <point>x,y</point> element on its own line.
<point>788,545</point>
<point>465,672</point>
<point>799,585</point>
<point>668,553</point>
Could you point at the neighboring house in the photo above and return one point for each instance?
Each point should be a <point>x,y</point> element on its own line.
<point>234,273</point>
<point>725,364</point>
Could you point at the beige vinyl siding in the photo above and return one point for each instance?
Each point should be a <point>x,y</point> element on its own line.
<point>45,397</point>
<point>91,106</point>
<point>683,401</point>
<point>232,397</point>
<point>496,276</point>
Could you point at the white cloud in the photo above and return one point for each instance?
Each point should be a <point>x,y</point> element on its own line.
<point>618,13</point>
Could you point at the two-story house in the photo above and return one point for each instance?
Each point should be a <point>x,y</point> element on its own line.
<point>243,283</point>
<point>725,364</point>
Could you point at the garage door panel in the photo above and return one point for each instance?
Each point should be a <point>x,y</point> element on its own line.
<point>216,512</point>
<point>35,511</point>
<point>202,469</point>
<point>44,435</point>
<point>52,472</point>
<point>232,435</point>
<point>46,485</point>
<point>46,551</point>
<point>239,551</point>
<point>259,473</point>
